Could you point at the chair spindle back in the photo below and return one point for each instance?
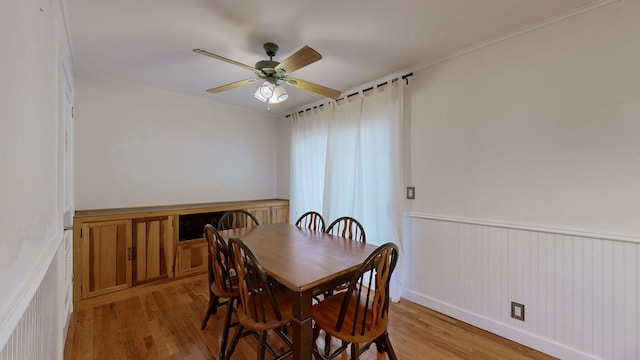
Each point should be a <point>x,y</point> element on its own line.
<point>257,297</point>
<point>349,228</point>
<point>236,219</point>
<point>367,297</point>
<point>311,220</point>
<point>222,263</point>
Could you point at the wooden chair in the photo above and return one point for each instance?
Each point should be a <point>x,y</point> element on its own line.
<point>262,307</point>
<point>235,219</point>
<point>347,227</point>
<point>223,281</point>
<point>360,314</point>
<point>311,220</point>
<point>214,301</point>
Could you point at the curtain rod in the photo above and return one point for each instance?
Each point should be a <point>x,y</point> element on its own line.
<point>403,77</point>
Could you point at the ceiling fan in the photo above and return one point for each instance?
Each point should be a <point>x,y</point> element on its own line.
<point>273,72</point>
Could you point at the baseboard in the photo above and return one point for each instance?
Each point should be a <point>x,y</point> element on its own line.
<point>545,345</point>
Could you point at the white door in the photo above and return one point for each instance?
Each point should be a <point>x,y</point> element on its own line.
<point>65,189</point>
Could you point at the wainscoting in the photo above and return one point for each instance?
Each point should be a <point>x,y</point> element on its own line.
<point>581,291</point>
<point>41,329</point>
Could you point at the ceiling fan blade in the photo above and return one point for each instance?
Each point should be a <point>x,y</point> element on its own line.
<point>204,52</point>
<point>319,89</point>
<point>233,85</point>
<point>298,60</point>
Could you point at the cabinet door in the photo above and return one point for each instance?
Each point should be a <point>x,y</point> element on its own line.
<point>263,214</point>
<point>106,257</point>
<point>192,258</point>
<point>153,249</point>
<point>279,214</point>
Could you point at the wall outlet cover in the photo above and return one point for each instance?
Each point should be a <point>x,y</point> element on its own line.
<point>517,311</point>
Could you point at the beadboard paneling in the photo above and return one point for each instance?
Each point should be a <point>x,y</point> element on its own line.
<point>37,335</point>
<point>581,292</point>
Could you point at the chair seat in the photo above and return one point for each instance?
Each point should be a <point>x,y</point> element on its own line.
<point>231,286</point>
<point>286,311</point>
<point>325,315</point>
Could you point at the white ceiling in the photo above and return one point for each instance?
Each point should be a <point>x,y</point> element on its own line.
<point>150,42</point>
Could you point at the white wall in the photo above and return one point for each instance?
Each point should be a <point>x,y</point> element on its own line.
<point>137,146</point>
<point>34,42</point>
<point>540,129</point>
<point>526,160</point>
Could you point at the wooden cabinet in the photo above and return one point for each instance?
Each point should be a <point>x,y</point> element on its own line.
<point>192,258</point>
<point>116,251</point>
<point>106,257</point>
<point>191,254</point>
<point>263,214</point>
<point>123,253</point>
<point>280,214</point>
<point>153,249</point>
<point>271,214</point>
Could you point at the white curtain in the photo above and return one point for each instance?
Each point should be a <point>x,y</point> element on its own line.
<point>308,154</point>
<point>358,171</point>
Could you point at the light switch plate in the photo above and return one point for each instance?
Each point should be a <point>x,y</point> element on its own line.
<point>411,192</point>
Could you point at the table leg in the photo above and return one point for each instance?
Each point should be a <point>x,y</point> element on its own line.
<point>302,326</point>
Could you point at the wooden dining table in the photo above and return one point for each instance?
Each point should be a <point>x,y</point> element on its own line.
<point>305,262</point>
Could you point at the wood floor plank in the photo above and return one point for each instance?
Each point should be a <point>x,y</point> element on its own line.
<point>164,323</point>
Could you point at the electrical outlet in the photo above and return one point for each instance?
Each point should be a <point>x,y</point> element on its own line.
<point>411,192</point>
<point>517,311</point>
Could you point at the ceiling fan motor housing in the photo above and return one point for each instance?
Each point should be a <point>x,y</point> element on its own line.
<point>267,66</point>
<point>271,49</point>
<point>267,70</point>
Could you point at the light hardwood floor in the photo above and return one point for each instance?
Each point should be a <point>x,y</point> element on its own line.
<point>164,323</point>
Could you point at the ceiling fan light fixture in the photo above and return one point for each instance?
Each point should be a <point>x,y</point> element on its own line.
<point>259,97</point>
<point>266,90</point>
<point>270,93</point>
<point>280,94</point>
